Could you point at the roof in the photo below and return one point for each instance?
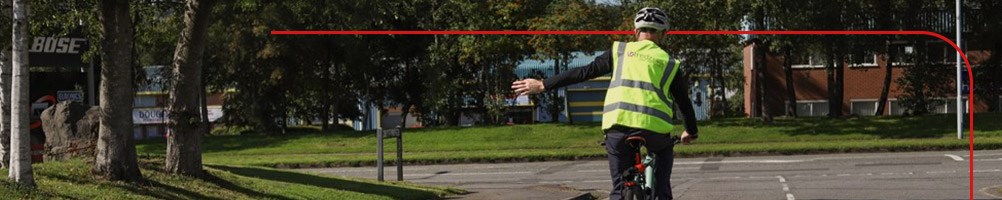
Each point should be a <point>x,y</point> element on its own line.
<point>578,59</point>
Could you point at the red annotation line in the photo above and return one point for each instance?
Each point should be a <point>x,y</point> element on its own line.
<point>970,73</point>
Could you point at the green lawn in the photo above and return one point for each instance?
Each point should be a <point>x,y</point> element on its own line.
<point>72,180</point>
<point>737,136</point>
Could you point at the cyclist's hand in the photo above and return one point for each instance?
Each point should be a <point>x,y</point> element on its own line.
<point>527,86</point>
<point>686,138</point>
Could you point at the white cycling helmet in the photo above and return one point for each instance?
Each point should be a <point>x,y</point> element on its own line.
<point>651,17</point>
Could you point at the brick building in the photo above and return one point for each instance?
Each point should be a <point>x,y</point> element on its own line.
<point>864,79</point>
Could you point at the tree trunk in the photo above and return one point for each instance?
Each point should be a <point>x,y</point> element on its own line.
<point>403,115</point>
<point>20,140</point>
<point>882,102</point>
<point>184,151</point>
<point>116,151</point>
<point>995,68</point>
<point>839,84</point>
<point>325,117</point>
<point>760,72</point>
<point>204,107</point>
<point>723,89</point>
<point>830,72</point>
<point>5,80</point>
<point>791,94</point>
<point>554,95</point>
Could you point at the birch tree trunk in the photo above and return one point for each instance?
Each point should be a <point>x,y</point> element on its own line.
<point>5,76</point>
<point>20,140</point>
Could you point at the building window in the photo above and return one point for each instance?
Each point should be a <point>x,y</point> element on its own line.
<point>809,60</point>
<point>904,54</point>
<point>941,53</point>
<point>145,101</point>
<point>863,59</point>
<point>812,108</point>
<point>949,106</point>
<point>863,107</point>
<point>938,106</point>
<point>896,108</point>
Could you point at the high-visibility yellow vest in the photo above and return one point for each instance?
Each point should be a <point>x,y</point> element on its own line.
<point>638,93</point>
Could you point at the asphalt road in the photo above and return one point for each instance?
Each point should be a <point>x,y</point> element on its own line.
<point>912,175</point>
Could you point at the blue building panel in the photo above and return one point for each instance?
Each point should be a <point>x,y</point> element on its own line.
<point>592,84</point>
<point>586,96</point>
<point>587,118</point>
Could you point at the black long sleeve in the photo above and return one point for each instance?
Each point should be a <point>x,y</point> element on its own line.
<point>679,90</point>
<point>602,65</point>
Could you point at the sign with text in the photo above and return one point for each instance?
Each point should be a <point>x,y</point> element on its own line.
<point>70,95</point>
<point>58,51</point>
<point>149,116</point>
<point>160,115</point>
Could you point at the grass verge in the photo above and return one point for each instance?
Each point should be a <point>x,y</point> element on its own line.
<point>72,180</point>
<point>726,137</point>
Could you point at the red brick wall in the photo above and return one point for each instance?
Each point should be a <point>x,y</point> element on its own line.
<point>861,83</point>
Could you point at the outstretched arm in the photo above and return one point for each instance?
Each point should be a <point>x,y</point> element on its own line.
<point>679,90</point>
<point>600,66</point>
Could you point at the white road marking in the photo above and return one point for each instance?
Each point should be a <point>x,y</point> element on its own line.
<point>954,157</point>
<point>986,154</point>
<point>987,170</point>
<point>941,172</point>
<point>726,177</point>
<point>985,191</point>
<point>555,182</point>
<point>992,159</point>
<point>786,188</point>
<point>738,161</point>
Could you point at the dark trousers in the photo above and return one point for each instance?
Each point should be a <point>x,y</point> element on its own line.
<point>621,157</point>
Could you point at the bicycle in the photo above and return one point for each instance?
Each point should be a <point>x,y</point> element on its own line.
<point>638,180</point>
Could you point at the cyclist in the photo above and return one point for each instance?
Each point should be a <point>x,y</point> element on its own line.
<point>637,101</point>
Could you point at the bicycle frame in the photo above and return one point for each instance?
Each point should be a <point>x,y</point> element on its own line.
<point>643,170</point>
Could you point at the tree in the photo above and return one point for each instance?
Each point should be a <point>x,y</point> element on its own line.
<point>567,15</point>
<point>5,81</point>
<point>885,20</point>
<point>20,141</point>
<point>184,151</point>
<point>985,29</point>
<point>116,152</point>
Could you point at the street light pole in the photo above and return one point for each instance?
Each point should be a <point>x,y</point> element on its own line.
<point>960,106</point>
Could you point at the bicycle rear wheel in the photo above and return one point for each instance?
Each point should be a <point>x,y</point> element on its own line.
<point>634,192</point>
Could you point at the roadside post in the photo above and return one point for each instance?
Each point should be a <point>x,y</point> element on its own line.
<point>390,133</point>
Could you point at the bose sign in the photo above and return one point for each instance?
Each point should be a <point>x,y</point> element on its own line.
<point>57,45</point>
<point>58,51</point>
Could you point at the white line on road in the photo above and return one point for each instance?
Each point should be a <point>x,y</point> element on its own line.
<point>992,159</point>
<point>738,161</point>
<point>786,188</point>
<point>726,177</point>
<point>988,170</point>
<point>955,157</point>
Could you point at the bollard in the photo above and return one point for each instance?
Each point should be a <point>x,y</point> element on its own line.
<point>379,154</point>
<point>400,157</point>
<point>380,135</point>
